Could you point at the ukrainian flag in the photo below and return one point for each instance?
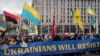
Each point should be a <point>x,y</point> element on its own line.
<point>26,27</point>
<point>90,10</point>
<point>31,14</point>
<point>3,27</point>
<point>93,22</point>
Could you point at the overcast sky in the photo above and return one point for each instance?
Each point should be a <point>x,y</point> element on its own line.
<point>13,6</point>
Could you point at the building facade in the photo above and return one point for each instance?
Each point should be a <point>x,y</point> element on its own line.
<point>61,10</point>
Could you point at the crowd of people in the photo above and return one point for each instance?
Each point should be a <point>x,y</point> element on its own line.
<point>18,39</point>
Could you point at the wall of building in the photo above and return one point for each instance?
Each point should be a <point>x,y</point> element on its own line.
<point>61,9</point>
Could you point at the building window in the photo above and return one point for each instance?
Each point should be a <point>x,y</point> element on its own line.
<point>47,20</point>
<point>72,28</point>
<point>42,20</point>
<point>59,28</point>
<point>88,21</point>
<point>45,28</point>
<point>63,20</point>
<point>71,21</point>
<point>68,21</point>
<point>86,30</point>
<point>66,28</point>
<point>88,17</point>
<point>84,21</point>
<point>50,28</point>
<point>60,20</point>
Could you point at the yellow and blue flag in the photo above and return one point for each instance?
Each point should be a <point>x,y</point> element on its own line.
<point>26,27</point>
<point>31,14</point>
<point>3,27</point>
<point>77,18</point>
<point>93,22</point>
<point>90,11</point>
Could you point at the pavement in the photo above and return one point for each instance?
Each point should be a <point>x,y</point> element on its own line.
<point>90,55</point>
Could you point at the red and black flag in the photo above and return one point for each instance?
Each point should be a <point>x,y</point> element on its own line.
<point>11,17</point>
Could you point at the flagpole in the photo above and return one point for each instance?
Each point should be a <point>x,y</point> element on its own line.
<point>19,26</point>
<point>70,25</point>
<point>72,11</point>
<point>76,28</point>
<point>83,29</point>
<point>97,26</point>
<point>90,29</point>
